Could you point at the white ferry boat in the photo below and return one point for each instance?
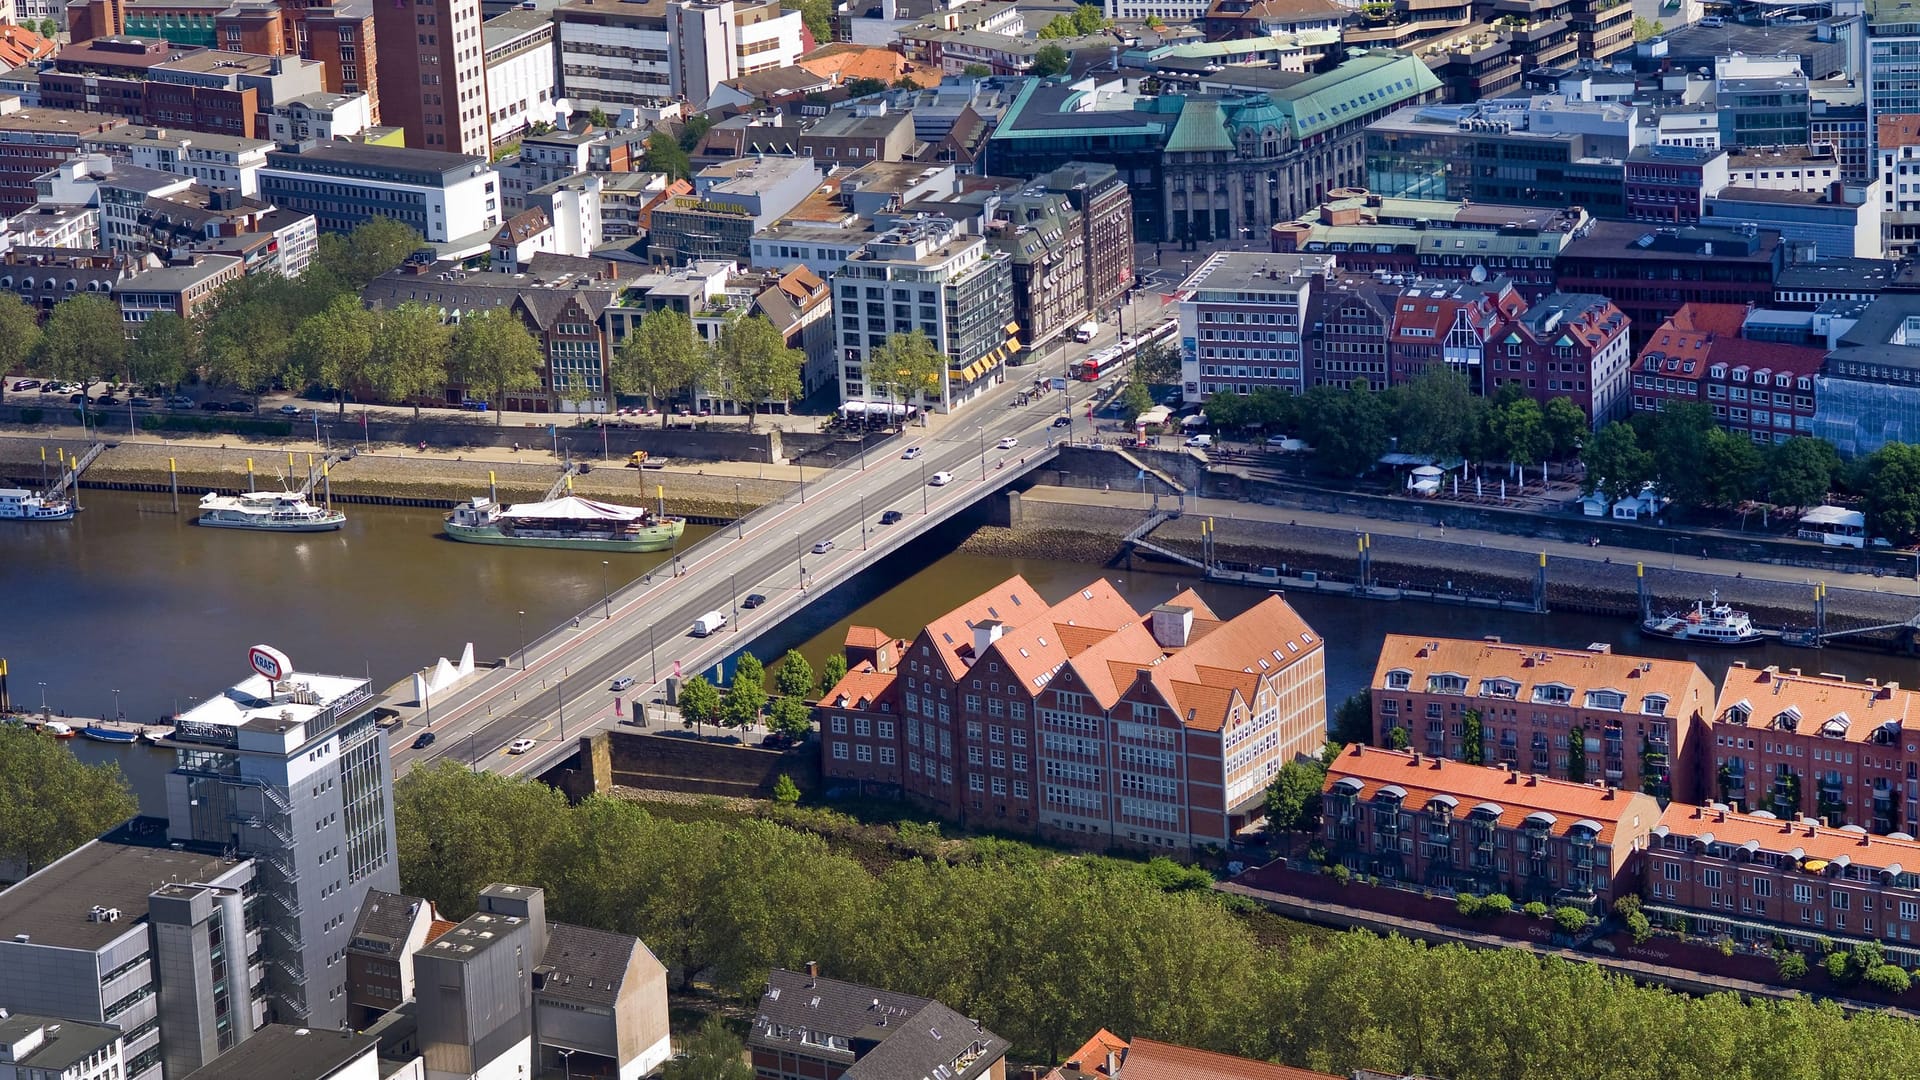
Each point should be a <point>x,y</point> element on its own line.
<point>21,504</point>
<point>268,511</point>
<point>1709,623</point>
<point>570,522</point>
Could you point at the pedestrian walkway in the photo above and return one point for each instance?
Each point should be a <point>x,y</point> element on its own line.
<point>1229,510</point>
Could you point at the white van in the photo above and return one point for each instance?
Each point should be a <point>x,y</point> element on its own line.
<point>1086,330</point>
<point>1202,441</point>
<point>708,623</point>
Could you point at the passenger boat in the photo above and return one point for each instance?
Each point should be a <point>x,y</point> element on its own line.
<point>21,504</point>
<point>569,522</point>
<point>100,734</point>
<point>157,735</point>
<point>268,511</point>
<point>1709,623</point>
<point>57,729</point>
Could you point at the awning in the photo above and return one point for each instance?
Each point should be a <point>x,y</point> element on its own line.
<point>1013,328</point>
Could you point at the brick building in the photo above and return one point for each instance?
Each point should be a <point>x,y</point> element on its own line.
<point>814,1028</point>
<point>1453,323</point>
<point>1427,821</point>
<point>1649,273</point>
<point>1633,717</point>
<point>1764,390</point>
<point>1241,315</point>
<point>1083,719</point>
<point>1821,745</point>
<point>1760,879</point>
<point>1568,345</point>
<point>34,142</point>
<point>1349,316</point>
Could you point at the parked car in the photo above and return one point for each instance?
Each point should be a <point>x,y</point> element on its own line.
<point>212,406</point>
<point>910,453</point>
<point>1201,441</point>
<point>26,384</point>
<point>821,547</point>
<point>940,479</point>
<point>289,410</point>
<point>622,683</point>
<point>519,746</point>
<point>106,399</point>
<point>239,406</point>
<point>425,740</point>
<point>753,600</point>
<point>140,402</point>
<point>891,517</point>
<point>1062,421</point>
<point>179,401</point>
<point>78,399</point>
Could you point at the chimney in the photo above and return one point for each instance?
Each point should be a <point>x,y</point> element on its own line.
<point>1416,757</point>
<point>813,972</point>
<point>985,633</point>
<point>1612,791</point>
<point>1171,625</point>
<point>1533,779</point>
<point>1113,1062</point>
<point>1719,815</point>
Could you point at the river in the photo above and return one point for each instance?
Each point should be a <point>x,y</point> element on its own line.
<point>135,598</point>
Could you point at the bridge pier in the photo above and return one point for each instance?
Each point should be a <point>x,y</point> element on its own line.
<point>1006,510</point>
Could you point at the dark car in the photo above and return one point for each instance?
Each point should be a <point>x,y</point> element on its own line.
<point>78,399</point>
<point>1062,421</point>
<point>425,740</point>
<point>106,399</point>
<point>239,406</point>
<point>140,402</point>
<point>753,600</point>
<point>26,384</point>
<point>891,517</point>
<point>212,406</point>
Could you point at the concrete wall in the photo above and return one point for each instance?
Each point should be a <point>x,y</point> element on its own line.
<point>674,762</point>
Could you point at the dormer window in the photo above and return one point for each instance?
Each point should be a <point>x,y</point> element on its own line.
<point>1836,726</point>
<point>1787,719</point>
<point>1447,683</point>
<point>1552,694</point>
<point>1654,705</point>
<point>1608,700</point>
<point>1399,679</point>
<point>1740,712</point>
<point>1500,688</point>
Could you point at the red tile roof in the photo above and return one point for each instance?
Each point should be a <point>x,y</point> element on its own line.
<point>19,45</point>
<point>865,637</point>
<point>1681,682</point>
<point>1832,706</point>
<point>1792,838</point>
<point>861,688</point>
<point>1366,771</point>
<point>951,635</point>
<point>1092,1057</point>
<point>1148,1059</point>
<point>438,927</point>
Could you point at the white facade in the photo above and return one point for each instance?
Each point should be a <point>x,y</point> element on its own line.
<point>574,209</point>
<point>1785,174</point>
<point>613,64</point>
<point>717,40</point>
<point>221,162</point>
<point>522,82</point>
<point>444,196</point>
<point>51,227</point>
<point>298,240</point>
<point>1172,11</point>
<point>1696,129</point>
<point>321,117</point>
<point>763,44</point>
<point>38,1048</point>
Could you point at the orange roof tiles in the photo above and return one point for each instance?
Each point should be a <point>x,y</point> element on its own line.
<point>19,45</point>
<point>850,61</point>
<point>1233,656</point>
<point>1491,668</point>
<point>1801,841</point>
<point>1092,1057</point>
<point>1700,335</point>
<point>1148,1059</point>
<point>438,927</point>
<point>865,637</point>
<point>951,635</point>
<point>1813,704</point>
<point>860,688</point>
<point>1517,796</point>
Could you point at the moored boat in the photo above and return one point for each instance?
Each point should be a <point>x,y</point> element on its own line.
<point>268,511</point>
<point>112,735</point>
<point>570,522</point>
<point>58,729</point>
<point>23,505</point>
<point>1709,623</point>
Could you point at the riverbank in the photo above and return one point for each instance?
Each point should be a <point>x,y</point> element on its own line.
<point>716,490</point>
<point>1087,525</point>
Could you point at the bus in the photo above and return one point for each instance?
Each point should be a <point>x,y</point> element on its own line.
<point>1096,365</point>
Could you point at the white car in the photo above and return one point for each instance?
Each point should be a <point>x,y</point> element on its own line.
<point>940,479</point>
<point>821,547</point>
<point>1201,441</point>
<point>910,453</point>
<point>289,410</point>
<point>1008,443</point>
<point>519,746</point>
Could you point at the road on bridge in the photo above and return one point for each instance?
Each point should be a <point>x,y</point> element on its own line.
<point>557,688</point>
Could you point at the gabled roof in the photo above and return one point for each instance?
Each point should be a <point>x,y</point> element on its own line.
<point>386,919</point>
<point>895,1036</point>
<point>861,688</point>
<point>1766,693</point>
<point>1681,683</point>
<point>1512,797</point>
<point>951,635</point>
<point>588,966</point>
<point>1802,842</point>
<point>1148,1059</point>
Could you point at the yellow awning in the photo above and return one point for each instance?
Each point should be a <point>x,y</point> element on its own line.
<point>972,371</point>
<point>1013,328</point>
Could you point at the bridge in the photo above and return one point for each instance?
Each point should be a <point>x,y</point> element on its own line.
<point>555,689</point>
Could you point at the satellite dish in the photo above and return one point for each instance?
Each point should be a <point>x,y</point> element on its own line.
<point>1479,274</point>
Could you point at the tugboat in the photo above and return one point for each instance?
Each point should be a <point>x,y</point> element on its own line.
<point>1709,623</point>
<point>268,511</point>
<point>570,522</point>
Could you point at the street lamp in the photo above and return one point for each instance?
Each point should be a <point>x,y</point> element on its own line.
<point>983,452</point>
<point>606,588</point>
<point>116,705</point>
<point>566,1062</point>
<point>739,519</point>
<point>523,641</point>
<point>43,697</point>
<point>733,587</point>
<point>923,487</point>
<point>798,464</point>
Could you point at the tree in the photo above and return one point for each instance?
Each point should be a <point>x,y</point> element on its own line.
<point>1158,363</point>
<point>410,349</point>
<point>693,129</point>
<point>1893,491</point>
<point>1472,738</point>
<point>907,366</point>
<point>1136,399</point>
<point>660,358</point>
<point>1676,438</point>
<point>712,1054</point>
<point>1439,414</point>
<point>1081,21</point>
<point>796,675</point>
<point>976,71</point>
<point>699,702</point>
<point>49,802</point>
<point>1293,799</point>
<point>1567,427</point>
<point>1397,739</point>
<point>332,348</point>
<point>19,332</point>
<point>664,154</point>
<point>460,830</point>
<point>1348,429</point>
<point>493,352</point>
<point>374,247</point>
<point>1577,755</point>
<point>747,694</point>
<point>817,17</point>
<point>1800,471</point>
<point>162,352</point>
<point>785,791</point>
<point>1050,60</point>
<point>1519,432</point>
<point>864,87</point>
<point>789,715</point>
<point>1616,465</point>
<point>1732,469</point>
<point>753,358</point>
<point>249,333</point>
<point>832,672</point>
<point>598,118</point>
<point>1353,720</point>
<point>1647,31</point>
<point>85,339</point>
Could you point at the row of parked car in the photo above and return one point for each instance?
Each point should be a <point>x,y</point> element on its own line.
<point>118,395</point>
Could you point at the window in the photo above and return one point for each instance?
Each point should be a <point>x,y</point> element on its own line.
<point>839,725</point>
<point>886,755</point>
<point>839,751</point>
<point>862,726</point>
<point>976,782</point>
<point>863,752</point>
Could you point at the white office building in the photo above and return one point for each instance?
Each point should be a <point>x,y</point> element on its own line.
<point>445,196</point>
<point>523,86</point>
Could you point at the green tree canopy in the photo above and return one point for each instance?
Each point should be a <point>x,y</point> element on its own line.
<point>163,351</point>
<point>863,87</point>
<point>1439,414</point>
<point>1616,465</point>
<point>332,348</point>
<point>699,701</point>
<point>410,350</point>
<point>976,71</point>
<point>907,366</point>
<point>1348,429</point>
<point>1158,362</point>
<point>662,357</point>
<point>1800,471</point>
<point>817,16</point>
<point>1676,439</point>
<point>1136,398</point>
<point>790,715</point>
<point>1518,432</point>
<point>1732,468</point>
<point>371,249</point>
<point>493,352</point>
<point>19,331</point>
<point>1293,799</point>
<point>84,339</point>
<point>832,671</point>
<point>1893,491</point>
<point>747,694</point>
<point>1352,720</point>
<point>756,363</point>
<point>1081,21</point>
<point>1050,60</point>
<point>664,154</point>
<point>49,802</point>
<point>714,1053</point>
<point>1567,427</point>
<point>796,675</point>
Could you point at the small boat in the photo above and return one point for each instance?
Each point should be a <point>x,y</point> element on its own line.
<point>157,735</point>
<point>570,522</point>
<point>24,505</point>
<point>1709,623</point>
<point>57,729</point>
<point>100,734</point>
<point>268,511</point>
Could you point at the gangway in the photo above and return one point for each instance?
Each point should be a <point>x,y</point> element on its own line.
<point>79,465</point>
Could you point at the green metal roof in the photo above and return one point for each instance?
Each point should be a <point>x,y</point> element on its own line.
<point>1201,128</point>
<point>1376,81</point>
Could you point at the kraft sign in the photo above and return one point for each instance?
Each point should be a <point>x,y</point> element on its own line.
<point>270,662</point>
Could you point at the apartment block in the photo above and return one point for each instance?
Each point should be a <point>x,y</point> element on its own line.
<point>1083,720</point>
<point>1764,390</point>
<point>50,1048</point>
<point>219,161</point>
<point>1424,821</point>
<point>1575,346</point>
<point>810,1026</point>
<point>613,55</point>
<point>1575,714</point>
<point>433,76</point>
<point>443,195</point>
<point>1241,318</point>
<point>732,201</point>
<point>33,141</point>
<point>128,932</point>
<point>1759,878</point>
<point>1454,324</point>
<point>320,117</point>
<point>522,83</point>
<point>185,286</point>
